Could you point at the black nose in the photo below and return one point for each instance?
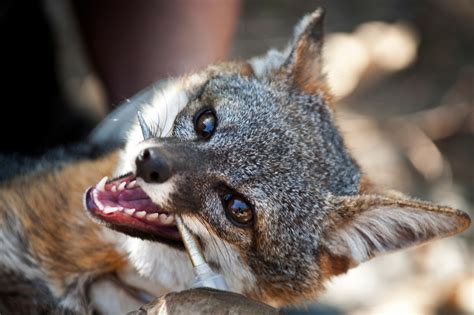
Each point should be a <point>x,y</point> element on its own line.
<point>152,167</point>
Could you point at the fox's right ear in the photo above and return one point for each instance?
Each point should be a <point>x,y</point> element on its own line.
<point>303,68</point>
<point>301,64</point>
<point>363,226</point>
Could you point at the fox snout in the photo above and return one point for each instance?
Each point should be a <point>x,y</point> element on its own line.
<point>152,166</point>
<point>168,171</point>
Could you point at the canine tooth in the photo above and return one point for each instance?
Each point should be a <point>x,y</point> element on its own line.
<point>95,195</point>
<point>111,209</point>
<point>101,185</point>
<point>140,214</point>
<point>97,201</point>
<point>132,184</point>
<point>122,186</point>
<point>152,216</point>
<point>114,188</point>
<point>129,211</point>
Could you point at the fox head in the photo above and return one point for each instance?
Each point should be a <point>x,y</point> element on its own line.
<point>248,154</point>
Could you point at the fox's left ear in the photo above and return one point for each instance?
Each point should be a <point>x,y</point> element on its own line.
<point>364,226</point>
<point>304,65</point>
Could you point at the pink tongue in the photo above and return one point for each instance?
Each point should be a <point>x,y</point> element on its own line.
<point>140,205</point>
<point>134,198</point>
<point>132,194</point>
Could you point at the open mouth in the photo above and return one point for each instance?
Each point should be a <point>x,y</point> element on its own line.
<point>123,206</point>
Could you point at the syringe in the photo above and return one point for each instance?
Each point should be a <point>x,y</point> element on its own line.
<point>204,275</point>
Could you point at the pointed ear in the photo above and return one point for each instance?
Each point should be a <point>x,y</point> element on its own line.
<point>304,65</point>
<point>367,225</point>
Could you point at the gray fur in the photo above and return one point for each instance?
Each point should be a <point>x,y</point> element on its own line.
<point>278,148</point>
<point>276,144</point>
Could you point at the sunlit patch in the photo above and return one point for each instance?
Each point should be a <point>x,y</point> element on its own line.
<point>392,47</point>
<point>373,47</point>
<point>346,59</point>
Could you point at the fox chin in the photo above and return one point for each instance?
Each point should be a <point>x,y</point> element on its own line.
<point>249,155</point>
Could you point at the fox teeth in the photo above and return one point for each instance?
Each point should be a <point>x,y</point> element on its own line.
<point>169,219</point>
<point>122,186</point>
<point>140,214</point>
<point>166,219</point>
<point>152,217</point>
<point>132,184</point>
<point>129,211</point>
<point>163,217</point>
<point>108,210</point>
<point>101,185</point>
<point>100,206</point>
<point>97,201</point>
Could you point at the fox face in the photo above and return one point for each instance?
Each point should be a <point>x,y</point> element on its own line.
<point>248,154</point>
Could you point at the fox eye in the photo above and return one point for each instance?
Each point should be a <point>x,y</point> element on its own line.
<point>205,123</point>
<point>238,210</point>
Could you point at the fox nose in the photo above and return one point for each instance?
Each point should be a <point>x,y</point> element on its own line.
<point>152,166</point>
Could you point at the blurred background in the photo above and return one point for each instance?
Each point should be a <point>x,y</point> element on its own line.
<point>402,73</point>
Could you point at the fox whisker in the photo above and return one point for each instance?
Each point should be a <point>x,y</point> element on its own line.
<point>146,131</point>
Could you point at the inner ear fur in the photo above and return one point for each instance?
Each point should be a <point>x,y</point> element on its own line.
<point>364,226</point>
<point>304,66</point>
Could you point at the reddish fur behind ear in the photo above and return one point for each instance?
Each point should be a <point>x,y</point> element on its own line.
<point>366,186</point>
<point>333,265</point>
<point>316,87</point>
<point>246,69</point>
<point>240,67</point>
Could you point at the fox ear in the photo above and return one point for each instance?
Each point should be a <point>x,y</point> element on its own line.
<point>300,64</point>
<point>364,226</point>
<point>304,64</point>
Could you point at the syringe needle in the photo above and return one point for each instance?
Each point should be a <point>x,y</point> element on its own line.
<point>205,276</point>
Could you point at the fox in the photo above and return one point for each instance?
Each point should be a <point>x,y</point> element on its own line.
<point>249,155</point>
